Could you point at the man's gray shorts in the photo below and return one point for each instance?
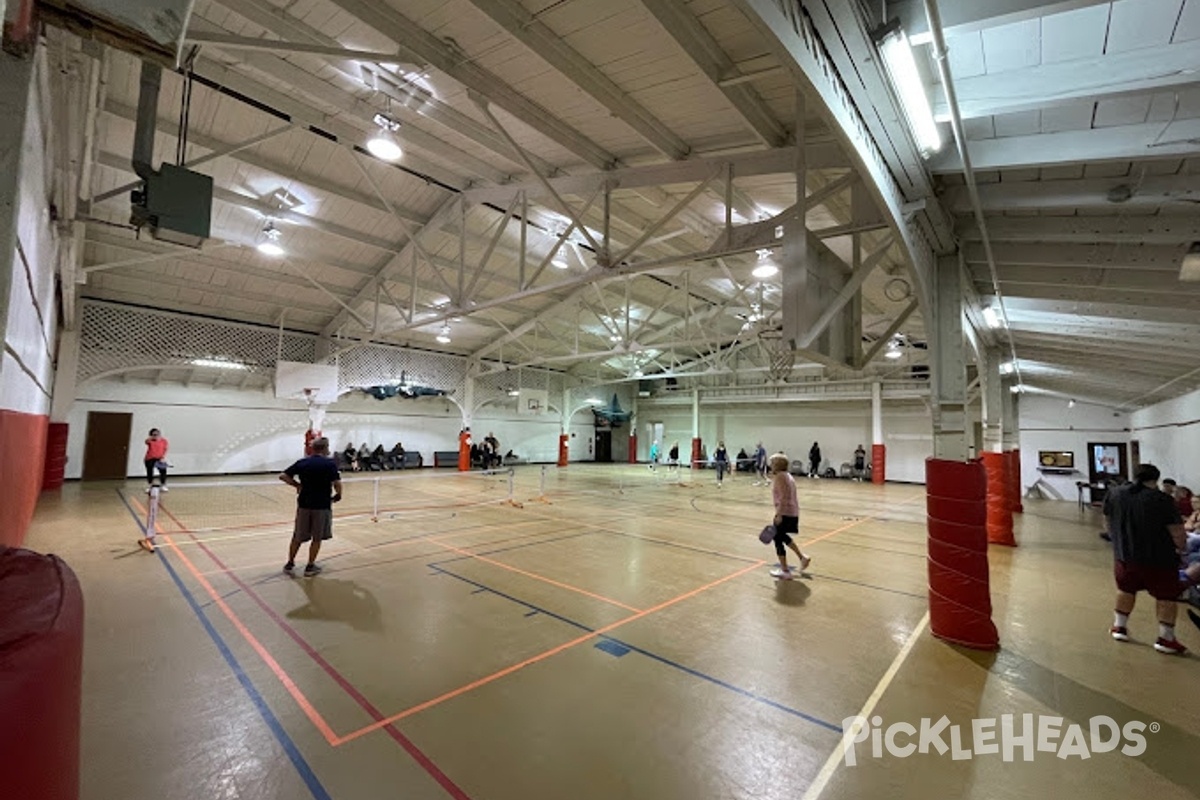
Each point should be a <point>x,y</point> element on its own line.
<point>313,523</point>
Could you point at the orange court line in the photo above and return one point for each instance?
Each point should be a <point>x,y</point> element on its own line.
<point>535,659</point>
<point>358,548</point>
<point>535,576</point>
<point>313,715</point>
<point>856,523</point>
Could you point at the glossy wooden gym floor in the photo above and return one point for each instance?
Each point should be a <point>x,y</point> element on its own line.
<point>622,641</point>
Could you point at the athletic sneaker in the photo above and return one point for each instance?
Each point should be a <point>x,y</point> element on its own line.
<point>782,574</point>
<point>1172,648</point>
<point>1119,633</point>
<point>804,562</point>
<point>289,566</point>
<point>146,545</point>
<point>311,569</point>
<point>164,489</point>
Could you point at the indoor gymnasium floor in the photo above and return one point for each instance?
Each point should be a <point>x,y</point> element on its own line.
<point>623,640</point>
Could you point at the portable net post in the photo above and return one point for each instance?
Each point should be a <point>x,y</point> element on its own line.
<point>541,498</point>
<point>152,512</point>
<point>375,500</point>
<point>512,500</point>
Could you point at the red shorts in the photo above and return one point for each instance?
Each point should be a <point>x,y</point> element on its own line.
<point>1163,583</point>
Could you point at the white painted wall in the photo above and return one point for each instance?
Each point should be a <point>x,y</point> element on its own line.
<point>1048,423</point>
<point>792,428</point>
<point>218,431</point>
<point>1169,436</point>
<point>26,363</point>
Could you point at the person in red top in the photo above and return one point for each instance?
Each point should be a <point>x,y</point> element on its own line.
<point>156,459</point>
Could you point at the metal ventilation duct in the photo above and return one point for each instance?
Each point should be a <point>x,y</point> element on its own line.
<point>152,28</point>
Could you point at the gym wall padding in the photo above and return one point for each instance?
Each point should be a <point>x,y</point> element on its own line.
<point>999,501</point>
<point>41,666</point>
<point>23,440</point>
<point>960,601</point>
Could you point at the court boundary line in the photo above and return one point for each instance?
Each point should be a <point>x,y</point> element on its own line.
<point>642,651</point>
<point>535,576</point>
<point>423,761</point>
<point>315,787</point>
<point>479,682</point>
<point>835,758</point>
<point>384,723</point>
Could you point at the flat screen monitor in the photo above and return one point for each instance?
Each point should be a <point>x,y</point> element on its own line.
<point>1056,459</point>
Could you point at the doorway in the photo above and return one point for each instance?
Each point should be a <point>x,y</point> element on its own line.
<point>106,446</point>
<point>604,447</point>
<point>1107,463</point>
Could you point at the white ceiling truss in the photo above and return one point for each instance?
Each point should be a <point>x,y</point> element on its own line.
<point>586,186</point>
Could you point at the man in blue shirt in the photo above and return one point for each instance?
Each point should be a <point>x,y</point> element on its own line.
<point>318,486</point>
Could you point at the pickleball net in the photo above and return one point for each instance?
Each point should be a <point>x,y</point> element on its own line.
<point>270,504</point>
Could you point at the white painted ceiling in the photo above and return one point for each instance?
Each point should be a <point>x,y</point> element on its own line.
<point>1063,103</point>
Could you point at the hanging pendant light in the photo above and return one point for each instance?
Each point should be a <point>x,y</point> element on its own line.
<point>268,241</point>
<point>383,144</point>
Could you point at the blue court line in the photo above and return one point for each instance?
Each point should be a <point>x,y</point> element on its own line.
<point>676,544</point>
<point>514,547</point>
<point>306,773</point>
<point>654,656</point>
<point>821,577</point>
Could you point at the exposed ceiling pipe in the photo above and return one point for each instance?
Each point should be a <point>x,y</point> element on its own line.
<point>943,65</point>
<point>147,120</point>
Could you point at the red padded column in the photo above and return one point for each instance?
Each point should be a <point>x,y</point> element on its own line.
<point>56,456</point>
<point>696,445</point>
<point>41,663</point>
<point>960,602</point>
<point>563,451</point>
<point>878,463</point>
<point>464,450</point>
<point>1014,482</point>
<point>633,448</point>
<point>999,512</point>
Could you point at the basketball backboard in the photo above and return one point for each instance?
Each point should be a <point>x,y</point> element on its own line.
<point>293,377</point>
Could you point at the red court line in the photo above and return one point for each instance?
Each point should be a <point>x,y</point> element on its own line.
<point>540,657</point>
<point>423,760</point>
<point>535,576</point>
<point>309,710</point>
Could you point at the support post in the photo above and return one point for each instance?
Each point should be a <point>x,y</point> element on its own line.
<point>878,448</point>
<point>993,400</point>
<point>960,604</point>
<point>696,444</point>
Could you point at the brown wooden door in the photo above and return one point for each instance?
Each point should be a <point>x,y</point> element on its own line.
<point>106,449</point>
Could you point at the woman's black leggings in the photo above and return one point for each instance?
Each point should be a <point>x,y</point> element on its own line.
<point>721,467</point>
<point>151,465</point>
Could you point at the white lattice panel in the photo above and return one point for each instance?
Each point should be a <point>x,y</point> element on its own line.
<point>116,338</point>
<point>374,365</point>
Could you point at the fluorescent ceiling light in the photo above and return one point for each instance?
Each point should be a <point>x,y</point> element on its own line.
<point>444,336</point>
<point>1189,269</point>
<point>991,318</point>
<point>1007,368</point>
<point>514,392</point>
<point>893,354</point>
<point>595,401</point>
<point>270,248</point>
<point>898,54</point>
<point>766,270</point>
<point>559,263</point>
<point>217,363</point>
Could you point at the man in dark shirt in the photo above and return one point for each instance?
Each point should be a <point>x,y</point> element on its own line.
<point>1148,538</point>
<point>318,487</point>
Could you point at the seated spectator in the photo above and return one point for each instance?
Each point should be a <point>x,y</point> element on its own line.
<point>351,456</point>
<point>379,457</point>
<point>1183,501</point>
<point>395,456</point>
<point>742,464</point>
